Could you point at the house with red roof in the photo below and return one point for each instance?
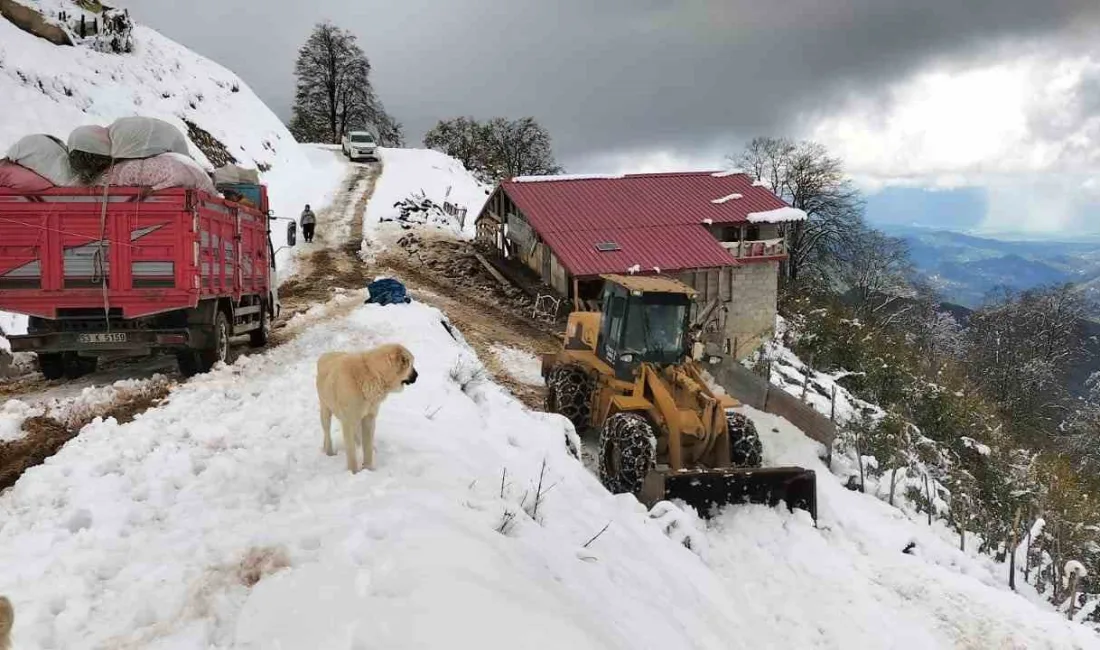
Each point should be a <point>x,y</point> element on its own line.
<point>720,232</point>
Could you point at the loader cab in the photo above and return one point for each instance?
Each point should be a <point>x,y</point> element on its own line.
<point>640,326</point>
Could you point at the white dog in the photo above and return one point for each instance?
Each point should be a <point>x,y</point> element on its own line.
<point>352,386</point>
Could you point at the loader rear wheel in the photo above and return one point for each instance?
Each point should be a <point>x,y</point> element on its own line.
<point>628,450</point>
<point>569,392</point>
<point>745,447</point>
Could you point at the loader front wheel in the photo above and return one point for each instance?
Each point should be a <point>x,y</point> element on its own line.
<point>628,450</point>
<point>745,447</point>
<point>569,392</point>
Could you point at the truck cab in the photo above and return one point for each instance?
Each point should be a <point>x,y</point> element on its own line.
<point>360,145</point>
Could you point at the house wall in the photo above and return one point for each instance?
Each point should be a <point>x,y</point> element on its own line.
<point>747,296</point>
<point>751,317</point>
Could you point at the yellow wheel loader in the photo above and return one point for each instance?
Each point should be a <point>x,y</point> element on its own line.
<point>631,372</point>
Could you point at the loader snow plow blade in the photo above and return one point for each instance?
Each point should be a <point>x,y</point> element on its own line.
<point>708,490</point>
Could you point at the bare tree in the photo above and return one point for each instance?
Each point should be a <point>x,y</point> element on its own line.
<point>462,138</point>
<point>497,149</point>
<point>876,271</point>
<point>805,176</point>
<point>333,93</point>
<point>1019,347</point>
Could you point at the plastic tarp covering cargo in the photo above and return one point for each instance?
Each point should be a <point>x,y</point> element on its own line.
<point>232,175</point>
<point>91,139</point>
<point>46,156</point>
<point>144,137</point>
<point>19,178</point>
<point>158,173</point>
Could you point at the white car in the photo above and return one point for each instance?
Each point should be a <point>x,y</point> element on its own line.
<point>359,145</point>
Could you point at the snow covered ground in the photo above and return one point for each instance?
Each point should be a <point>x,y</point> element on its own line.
<point>410,172</point>
<point>216,520</point>
<point>521,365</point>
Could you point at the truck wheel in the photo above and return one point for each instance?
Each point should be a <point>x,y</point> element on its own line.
<point>77,366</point>
<point>745,447</point>
<point>51,365</point>
<point>569,392</point>
<point>628,450</point>
<point>188,362</point>
<point>219,351</point>
<point>258,338</point>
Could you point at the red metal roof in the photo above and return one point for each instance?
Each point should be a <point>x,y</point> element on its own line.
<point>668,248</point>
<point>638,201</point>
<point>658,220</point>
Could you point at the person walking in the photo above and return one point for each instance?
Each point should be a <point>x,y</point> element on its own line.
<point>308,223</point>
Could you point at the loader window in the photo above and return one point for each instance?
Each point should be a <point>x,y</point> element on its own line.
<point>655,330</point>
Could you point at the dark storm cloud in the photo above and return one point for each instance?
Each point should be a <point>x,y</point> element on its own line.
<point>611,75</point>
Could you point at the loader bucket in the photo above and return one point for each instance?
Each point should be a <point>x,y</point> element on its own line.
<point>708,490</point>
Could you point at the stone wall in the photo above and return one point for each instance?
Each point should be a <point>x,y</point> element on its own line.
<point>751,316</point>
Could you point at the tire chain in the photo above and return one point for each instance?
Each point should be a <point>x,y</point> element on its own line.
<point>632,435</point>
<point>745,447</point>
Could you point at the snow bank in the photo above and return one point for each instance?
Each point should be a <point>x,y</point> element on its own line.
<point>778,215</point>
<point>847,583</point>
<point>152,533</point>
<point>520,365</point>
<point>439,177</point>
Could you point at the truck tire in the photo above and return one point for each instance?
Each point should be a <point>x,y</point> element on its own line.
<point>219,351</point>
<point>569,392</point>
<point>745,447</point>
<point>51,365</point>
<point>77,366</point>
<point>188,362</point>
<point>258,338</point>
<point>628,450</point>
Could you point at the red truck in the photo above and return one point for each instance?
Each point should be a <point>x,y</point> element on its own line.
<point>130,272</point>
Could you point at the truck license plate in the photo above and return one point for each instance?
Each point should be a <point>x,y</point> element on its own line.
<point>114,337</point>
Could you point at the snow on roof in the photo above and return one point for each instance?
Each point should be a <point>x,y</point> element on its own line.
<point>728,197</point>
<point>728,172</point>
<point>637,268</point>
<point>777,216</point>
<point>709,222</point>
<point>565,177</point>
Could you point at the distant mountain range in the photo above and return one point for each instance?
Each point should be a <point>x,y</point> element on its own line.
<point>966,268</point>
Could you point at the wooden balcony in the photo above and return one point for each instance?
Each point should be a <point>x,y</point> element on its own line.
<point>761,248</point>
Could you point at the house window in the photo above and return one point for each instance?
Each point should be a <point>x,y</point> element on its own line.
<point>731,233</point>
<point>753,233</point>
<point>608,246</point>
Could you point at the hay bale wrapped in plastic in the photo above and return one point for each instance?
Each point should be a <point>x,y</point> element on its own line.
<point>158,173</point>
<point>44,155</point>
<point>145,137</point>
<point>235,174</point>
<point>19,178</point>
<point>89,152</point>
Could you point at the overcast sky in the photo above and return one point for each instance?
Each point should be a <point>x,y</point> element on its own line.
<point>998,94</point>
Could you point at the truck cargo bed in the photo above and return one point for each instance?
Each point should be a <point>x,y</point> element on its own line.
<point>128,252</point>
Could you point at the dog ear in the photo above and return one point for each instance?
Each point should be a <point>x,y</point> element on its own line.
<point>401,358</point>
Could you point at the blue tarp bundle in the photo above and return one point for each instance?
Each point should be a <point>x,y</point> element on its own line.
<point>387,291</point>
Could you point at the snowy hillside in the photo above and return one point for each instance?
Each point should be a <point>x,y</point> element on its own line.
<point>215,520</point>
<point>56,88</point>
